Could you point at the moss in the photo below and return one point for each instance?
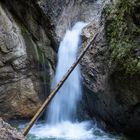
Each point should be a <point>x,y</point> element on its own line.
<point>121,32</point>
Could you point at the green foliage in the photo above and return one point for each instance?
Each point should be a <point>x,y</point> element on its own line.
<point>121,33</point>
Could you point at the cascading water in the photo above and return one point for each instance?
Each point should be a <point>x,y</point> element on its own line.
<point>61,116</point>
<point>63,106</point>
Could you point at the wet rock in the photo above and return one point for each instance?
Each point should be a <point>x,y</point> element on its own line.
<point>21,65</point>
<point>64,14</point>
<point>9,133</point>
<point>111,84</point>
<point>54,17</point>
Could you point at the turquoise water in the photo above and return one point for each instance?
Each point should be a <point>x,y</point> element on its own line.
<point>67,131</point>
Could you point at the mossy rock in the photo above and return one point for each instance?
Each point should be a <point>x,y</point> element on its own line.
<point>122,29</point>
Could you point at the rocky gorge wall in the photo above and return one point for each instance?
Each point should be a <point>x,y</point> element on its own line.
<point>110,69</point>
<point>25,62</point>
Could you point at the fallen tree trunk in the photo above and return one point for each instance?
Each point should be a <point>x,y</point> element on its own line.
<point>58,86</point>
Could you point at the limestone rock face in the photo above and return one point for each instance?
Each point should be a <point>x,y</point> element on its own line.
<point>24,70</point>
<point>64,14</point>
<point>54,16</point>
<point>9,133</point>
<point>95,72</point>
<point>111,84</point>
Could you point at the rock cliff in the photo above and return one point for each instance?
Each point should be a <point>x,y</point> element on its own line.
<point>110,69</point>
<point>26,66</point>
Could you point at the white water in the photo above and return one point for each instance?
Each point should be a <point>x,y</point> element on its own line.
<point>61,121</point>
<point>63,106</point>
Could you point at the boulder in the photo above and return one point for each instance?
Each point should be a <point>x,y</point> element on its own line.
<point>9,133</point>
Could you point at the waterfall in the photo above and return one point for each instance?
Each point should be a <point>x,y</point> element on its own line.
<point>61,120</point>
<point>63,106</point>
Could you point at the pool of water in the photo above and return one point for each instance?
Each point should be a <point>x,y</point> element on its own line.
<point>68,131</point>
